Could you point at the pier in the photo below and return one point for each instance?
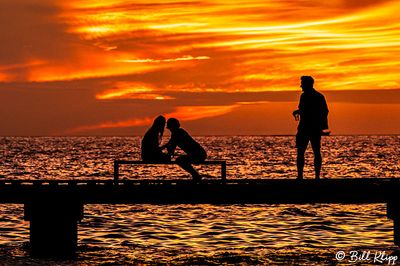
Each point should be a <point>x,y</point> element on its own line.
<point>54,207</point>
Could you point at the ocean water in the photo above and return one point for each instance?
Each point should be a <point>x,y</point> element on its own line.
<point>206,234</point>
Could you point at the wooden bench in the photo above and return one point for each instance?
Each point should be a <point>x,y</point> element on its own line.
<point>117,163</point>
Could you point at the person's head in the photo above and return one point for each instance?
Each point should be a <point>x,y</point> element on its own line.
<point>173,124</point>
<point>307,83</point>
<point>159,124</point>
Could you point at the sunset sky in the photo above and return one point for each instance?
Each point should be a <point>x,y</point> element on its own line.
<point>108,67</point>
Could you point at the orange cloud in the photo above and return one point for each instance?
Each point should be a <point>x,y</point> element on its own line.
<point>150,60</point>
<point>250,39</point>
<point>126,123</point>
<point>184,113</point>
<point>126,90</point>
<point>129,51</point>
<point>187,113</point>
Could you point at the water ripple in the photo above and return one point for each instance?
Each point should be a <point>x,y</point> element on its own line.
<point>205,234</point>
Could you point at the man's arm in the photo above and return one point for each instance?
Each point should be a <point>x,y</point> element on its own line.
<point>324,113</point>
<point>296,113</point>
<point>171,145</point>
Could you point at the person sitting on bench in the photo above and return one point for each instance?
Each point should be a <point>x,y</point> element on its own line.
<point>151,150</point>
<point>195,153</point>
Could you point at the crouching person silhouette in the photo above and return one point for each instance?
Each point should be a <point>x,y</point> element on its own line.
<point>195,153</point>
<point>151,150</point>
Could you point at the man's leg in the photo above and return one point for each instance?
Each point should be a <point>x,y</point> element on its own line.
<point>301,145</point>
<point>316,146</point>
<point>184,161</point>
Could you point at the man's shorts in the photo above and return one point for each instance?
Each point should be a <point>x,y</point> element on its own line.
<point>302,139</point>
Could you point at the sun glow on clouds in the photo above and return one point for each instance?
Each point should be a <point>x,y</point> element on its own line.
<point>131,91</point>
<point>183,113</point>
<point>150,60</point>
<point>186,113</point>
<point>142,50</point>
<point>106,66</point>
<point>126,123</point>
<point>250,37</point>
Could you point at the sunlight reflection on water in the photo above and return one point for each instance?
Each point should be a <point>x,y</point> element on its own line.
<point>247,157</point>
<point>206,234</point>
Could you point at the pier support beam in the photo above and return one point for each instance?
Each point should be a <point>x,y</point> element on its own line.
<point>53,227</point>
<point>393,212</point>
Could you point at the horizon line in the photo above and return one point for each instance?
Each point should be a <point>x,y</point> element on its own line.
<point>196,135</point>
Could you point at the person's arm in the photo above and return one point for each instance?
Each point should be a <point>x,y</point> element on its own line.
<point>324,113</point>
<point>171,145</point>
<point>296,113</point>
<point>162,147</point>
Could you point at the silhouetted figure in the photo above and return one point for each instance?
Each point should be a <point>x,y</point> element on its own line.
<point>151,150</point>
<point>313,114</point>
<point>194,152</point>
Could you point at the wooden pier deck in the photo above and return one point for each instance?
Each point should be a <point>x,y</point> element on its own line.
<point>272,191</point>
<point>54,207</point>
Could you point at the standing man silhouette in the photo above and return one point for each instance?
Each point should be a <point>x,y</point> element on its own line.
<point>313,115</point>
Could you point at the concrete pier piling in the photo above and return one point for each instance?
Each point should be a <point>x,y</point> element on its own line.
<point>393,213</point>
<point>53,227</point>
